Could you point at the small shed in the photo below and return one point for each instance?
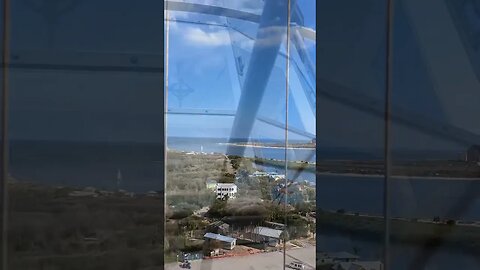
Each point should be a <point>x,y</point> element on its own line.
<point>267,235</point>
<point>228,242</point>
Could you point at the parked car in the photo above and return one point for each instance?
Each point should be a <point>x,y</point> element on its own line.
<point>296,265</point>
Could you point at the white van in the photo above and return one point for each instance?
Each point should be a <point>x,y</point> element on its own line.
<point>297,265</point>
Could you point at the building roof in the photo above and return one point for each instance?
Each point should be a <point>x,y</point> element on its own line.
<point>219,237</point>
<point>264,231</point>
<point>226,185</point>
<point>275,225</point>
<point>219,224</point>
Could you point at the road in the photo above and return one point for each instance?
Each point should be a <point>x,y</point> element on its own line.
<point>262,261</point>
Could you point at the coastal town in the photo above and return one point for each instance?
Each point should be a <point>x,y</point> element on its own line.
<point>239,211</point>
<point>251,217</point>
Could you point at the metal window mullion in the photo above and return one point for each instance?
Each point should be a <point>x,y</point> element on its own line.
<point>387,131</point>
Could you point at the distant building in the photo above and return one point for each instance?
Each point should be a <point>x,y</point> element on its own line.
<point>227,242</point>
<point>224,190</point>
<point>275,176</point>
<point>266,235</point>
<point>473,154</point>
<point>211,184</point>
<point>259,174</point>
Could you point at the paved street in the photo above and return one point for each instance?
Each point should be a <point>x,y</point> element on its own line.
<point>262,261</point>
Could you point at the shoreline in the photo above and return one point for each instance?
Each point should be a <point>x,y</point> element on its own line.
<point>266,146</point>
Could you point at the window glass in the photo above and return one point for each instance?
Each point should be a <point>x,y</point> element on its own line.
<point>300,193</point>
<point>350,133</point>
<point>226,125</point>
<point>435,133</point>
<point>86,135</point>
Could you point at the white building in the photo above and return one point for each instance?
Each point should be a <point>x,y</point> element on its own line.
<point>226,189</point>
<point>258,174</point>
<point>275,176</point>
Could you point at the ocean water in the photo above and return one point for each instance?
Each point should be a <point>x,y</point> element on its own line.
<point>88,164</point>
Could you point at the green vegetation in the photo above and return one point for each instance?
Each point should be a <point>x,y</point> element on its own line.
<point>187,174</point>
<point>227,178</point>
<point>293,165</point>
<point>51,230</point>
<point>236,161</point>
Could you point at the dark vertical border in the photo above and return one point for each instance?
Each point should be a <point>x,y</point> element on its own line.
<point>387,134</point>
<point>4,134</point>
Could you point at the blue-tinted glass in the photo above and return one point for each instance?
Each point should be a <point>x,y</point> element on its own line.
<point>350,133</point>
<point>86,135</point>
<point>435,187</point>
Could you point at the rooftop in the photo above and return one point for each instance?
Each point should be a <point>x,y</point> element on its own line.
<point>264,231</point>
<point>226,185</point>
<point>219,237</point>
<point>275,224</point>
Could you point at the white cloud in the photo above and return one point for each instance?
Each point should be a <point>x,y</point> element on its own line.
<point>203,38</point>
<point>198,36</point>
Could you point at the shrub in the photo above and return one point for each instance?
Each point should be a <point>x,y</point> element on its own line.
<point>181,213</point>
